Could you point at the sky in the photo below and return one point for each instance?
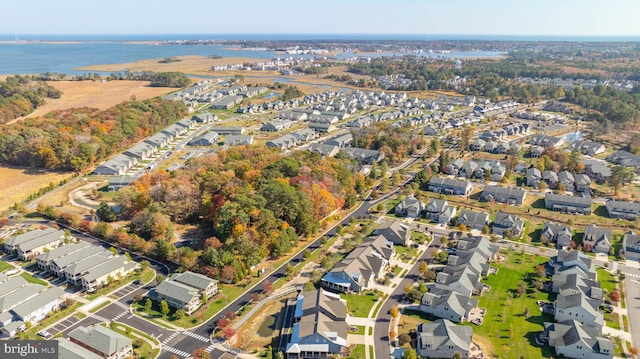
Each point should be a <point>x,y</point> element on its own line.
<point>478,17</point>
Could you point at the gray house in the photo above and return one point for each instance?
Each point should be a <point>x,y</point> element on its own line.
<point>567,204</point>
<point>207,139</point>
<point>572,339</point>
<point>534,177</point>
<point>442,339</point>
<point>597,240</point>
<point>556,233</point>
<point>512,196</point>
<point>507,222</point>
<point>103,341</point>
<point>409,207</point>
<point>623,209</point>
<point>631,246</point>
<point>472,219</point>
<point>440,211</point>
<point>450,186</point>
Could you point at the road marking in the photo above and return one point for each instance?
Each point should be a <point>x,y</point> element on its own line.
<point>176,351</point>
<point>100,318</point>
<point>121,305</point>
<point>210,348</point>
<point>173,335</point>
<point>196,336</point>
<point>129,317</point>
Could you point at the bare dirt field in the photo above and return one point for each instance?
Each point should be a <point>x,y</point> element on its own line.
<point>19,183</point>
<point>262,328</point>
<point>96,94</point>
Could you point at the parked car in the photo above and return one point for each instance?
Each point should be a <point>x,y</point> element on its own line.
<point>45,334</point>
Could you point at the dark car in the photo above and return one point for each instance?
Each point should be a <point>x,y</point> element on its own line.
<point>137,282</point>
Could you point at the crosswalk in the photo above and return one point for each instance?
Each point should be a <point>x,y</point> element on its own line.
<point>176,351</point>
<point>100,318</point>
<point>210,348</point>
<point>120,315</point>
<point>197,336</point>
<point>121,305</point>
<point>634,275</point>
<point>169,338</point>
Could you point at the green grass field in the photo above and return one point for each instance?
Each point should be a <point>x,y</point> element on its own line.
<point>4,266</point>
<point>360,305</point>
<point>358,352</point>
<point>607,280</point>
<point>506,332</point>
<point>31,279</point>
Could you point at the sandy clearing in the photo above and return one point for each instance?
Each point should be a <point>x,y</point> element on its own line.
<point>19,183</point>
<point>187,64</point>
<point>96,94</point>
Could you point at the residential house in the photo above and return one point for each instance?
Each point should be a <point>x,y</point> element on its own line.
<point>587,147</point>
<point>364,156</point>
<point>141,151</point>
<point>567,204</point>
<point>238,140</point>
<point>536,151</point>
<point>34,247</point>
<point>395,232</point>
<point>319,326</point>
<point>546,141</point>
<point>557,233</point>
<point>598,171</point>
<point>60,264</point>
<point>507,222</point>
<point>117,183</point>
<point>177,296</point>
<point>571,339</point>
<point>116,166</point>
<point>565,260</point>
<point>472,219</point>
<point>229,130</point>
<point>477,145</point>
<point>323,150</point>
<point>450,186</point>
<point>440,211</point>
<point>206,139</point>
<point>342,141</point>
<point>583,183</point>
<point>511,196</point>
<point>226,103</point>
<point>409,207</point>
<point>204,285</point>
<point>631,246</point>
<point>622,209</point>
<point>567,180</point>
<point>550,178</point>
<point>103,341</point>
<point>74,272</point>
<point>361,267</point>
<point>45,259</point>
<point>576,305</point>
<point>443,339</point>
<point>624,158</point>
<point>11,245</point>
<point>276,126</point>
<point>448,304</point>
<point>70,350</point>
<point>462,279</point>
<point>101,275</point>
<point>534,177</point>
<point>206,117</point>
<point>597,240</point>
<point>34,310</point>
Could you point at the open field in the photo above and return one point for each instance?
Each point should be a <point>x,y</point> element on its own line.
<point>96,94</point>
<point>187,64</point>
<point>19,183</point>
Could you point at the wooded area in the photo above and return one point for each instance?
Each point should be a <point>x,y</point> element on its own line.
<point>20,95</point>
<point>71,140</point>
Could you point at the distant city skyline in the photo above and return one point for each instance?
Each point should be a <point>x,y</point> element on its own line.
<point>455,17</point>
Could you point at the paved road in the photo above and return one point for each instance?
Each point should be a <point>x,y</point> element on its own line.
<point>381,329</point>
<point>632,287</point>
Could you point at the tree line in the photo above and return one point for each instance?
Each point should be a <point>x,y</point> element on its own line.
<point>73,139</point>
<point>20,95</point>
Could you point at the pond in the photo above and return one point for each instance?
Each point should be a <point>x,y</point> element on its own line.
<point>573,136</point>
<point>272,95</point>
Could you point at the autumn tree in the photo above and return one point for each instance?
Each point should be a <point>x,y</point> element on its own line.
<point>200,353</point>
<point>614,296</point>
<point>410,354</point>
<point>222,323</point>
<point>228,332</point>
<point>394,311</point>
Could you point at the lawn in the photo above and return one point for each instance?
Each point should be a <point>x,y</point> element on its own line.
<point>31,279</point>
<point>405,253</point>
<point>359,305</point>
<point>607,280</point>
<point>4,266</point>
<point>145,351</point>
<point>145,276</point>
<point>358,352</point>
<point>506,332</point>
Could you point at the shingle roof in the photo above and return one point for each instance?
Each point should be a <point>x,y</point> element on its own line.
<point>100,338</point>
<point>49,295</point>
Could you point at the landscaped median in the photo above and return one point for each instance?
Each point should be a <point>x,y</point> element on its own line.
<point>144,346</point>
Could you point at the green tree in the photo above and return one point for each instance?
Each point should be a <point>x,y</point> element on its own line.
<point>179,314</point>
<point>147,304</point>
<point>410,354</point>
<point>164,308</point>
<point>106,213</point>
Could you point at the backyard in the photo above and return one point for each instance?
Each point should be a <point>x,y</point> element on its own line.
<point>506,331</point>
<point>359,305</point>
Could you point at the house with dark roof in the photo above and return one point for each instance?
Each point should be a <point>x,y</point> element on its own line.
<point>395,232</point>
<point>507,222</point>
<point>587,147</point>
<point>534,177</point>
<point>440,211</point>
<point>511,196</point>
<point>409,207</point>
<point>361,267</point>
<point>565,260</point>
<point>546,141</point>
<point>323,150</point>
<point>622,209</point>
<point>473,219</point>
<point>443,339</point>
<point>576,305</point>
<point>450,186</point>
<point>177,295</point>
<point>567,180</point>
<point>364,156</point>
<point>319,326</point>
<point>571,339</point>
<point>567,204</point>
<point>597,171</point>
<point>206,139</point>
<point>276,125</point>
<point>582,182</point>
<point>448,304</point>
<point>597,240</point>
<point>631,246</point>
<point>550,178</point>
<point>557,233</point>
<point>477,145</point>
<point>624,158</point>
<point>103,341</point>
<point>536,151</point>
